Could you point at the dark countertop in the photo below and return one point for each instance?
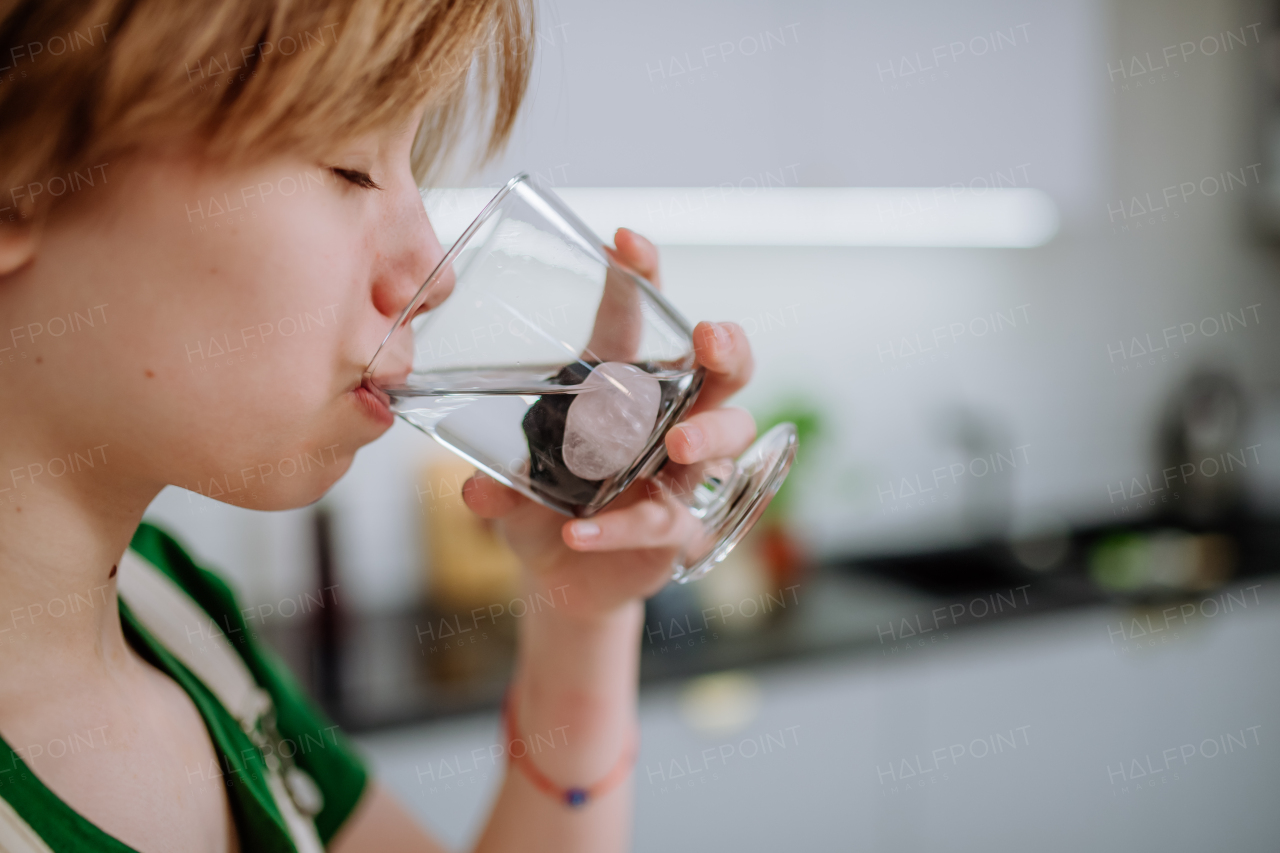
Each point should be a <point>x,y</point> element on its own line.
<point>390,669</point>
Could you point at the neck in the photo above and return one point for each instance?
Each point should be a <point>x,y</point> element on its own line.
<point>60,540</point>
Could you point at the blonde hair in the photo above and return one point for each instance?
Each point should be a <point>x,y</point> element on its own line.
<point>88,80</point>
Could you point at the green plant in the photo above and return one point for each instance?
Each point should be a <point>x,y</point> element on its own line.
<point>809,421</point>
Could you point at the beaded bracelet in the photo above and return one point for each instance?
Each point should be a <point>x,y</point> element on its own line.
<point>574,796</point>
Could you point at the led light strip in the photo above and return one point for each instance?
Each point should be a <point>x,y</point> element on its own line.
<point>1016,218</point>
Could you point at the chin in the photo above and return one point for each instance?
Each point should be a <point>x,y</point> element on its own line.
<point>291,491</point>
<point>313,491</point>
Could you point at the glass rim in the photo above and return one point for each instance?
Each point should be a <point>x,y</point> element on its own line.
<point>596,244</point>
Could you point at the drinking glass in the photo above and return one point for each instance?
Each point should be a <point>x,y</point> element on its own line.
<point>531,352</point>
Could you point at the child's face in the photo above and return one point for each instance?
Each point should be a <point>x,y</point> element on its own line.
<point>239,310</point>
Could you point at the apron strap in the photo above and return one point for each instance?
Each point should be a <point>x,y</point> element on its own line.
<point>16,836</point>
<point>174,618</point>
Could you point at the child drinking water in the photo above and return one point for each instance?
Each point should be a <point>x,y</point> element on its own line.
<point>192,172</point>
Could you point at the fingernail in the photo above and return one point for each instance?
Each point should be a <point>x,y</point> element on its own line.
<point>693,436</point>
<point>721,332</point>
<point>584,530</point>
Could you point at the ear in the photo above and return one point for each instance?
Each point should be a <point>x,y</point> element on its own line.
<point>17,246</point>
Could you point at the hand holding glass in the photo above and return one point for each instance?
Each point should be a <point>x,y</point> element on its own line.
<point>534,355</point>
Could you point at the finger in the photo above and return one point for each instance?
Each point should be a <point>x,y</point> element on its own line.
<point>488,498</point>
<point>646,524</point>
<point>724,350</point>
<point>619,325</point>
<point>638,253</point>
<point>711,435</point>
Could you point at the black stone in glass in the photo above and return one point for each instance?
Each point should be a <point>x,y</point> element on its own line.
<point>544,428</point>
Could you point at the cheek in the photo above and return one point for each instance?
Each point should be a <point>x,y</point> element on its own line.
<point>243,324</point>
<point>275,284</point>
<point>270,333</point>
<point>275,292</point>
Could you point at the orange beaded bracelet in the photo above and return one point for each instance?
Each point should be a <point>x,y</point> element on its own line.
<point>574,796</point>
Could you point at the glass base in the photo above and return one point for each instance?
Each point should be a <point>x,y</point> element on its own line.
<point>729,508</point>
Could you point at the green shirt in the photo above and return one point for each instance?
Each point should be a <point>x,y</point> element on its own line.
<point>319,747</point>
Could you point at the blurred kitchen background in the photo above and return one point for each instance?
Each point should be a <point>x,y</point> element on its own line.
<point>1039,399</point>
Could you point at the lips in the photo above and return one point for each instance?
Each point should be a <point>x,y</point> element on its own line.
<point>375,403</point>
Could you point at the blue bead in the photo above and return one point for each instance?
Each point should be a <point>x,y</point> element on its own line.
<point>575,796</point>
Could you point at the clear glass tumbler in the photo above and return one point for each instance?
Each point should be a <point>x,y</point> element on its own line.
<point>533,354</point>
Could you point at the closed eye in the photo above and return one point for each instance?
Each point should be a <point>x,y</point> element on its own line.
<point>355,176</point>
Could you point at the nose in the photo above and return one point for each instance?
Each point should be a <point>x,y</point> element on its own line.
<point>413,256</point>
<point>409,254</point>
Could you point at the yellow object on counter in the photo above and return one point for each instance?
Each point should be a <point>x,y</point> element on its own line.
<point>470,563</point>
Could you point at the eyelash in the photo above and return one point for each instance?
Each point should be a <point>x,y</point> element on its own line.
<point>360,179</point>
